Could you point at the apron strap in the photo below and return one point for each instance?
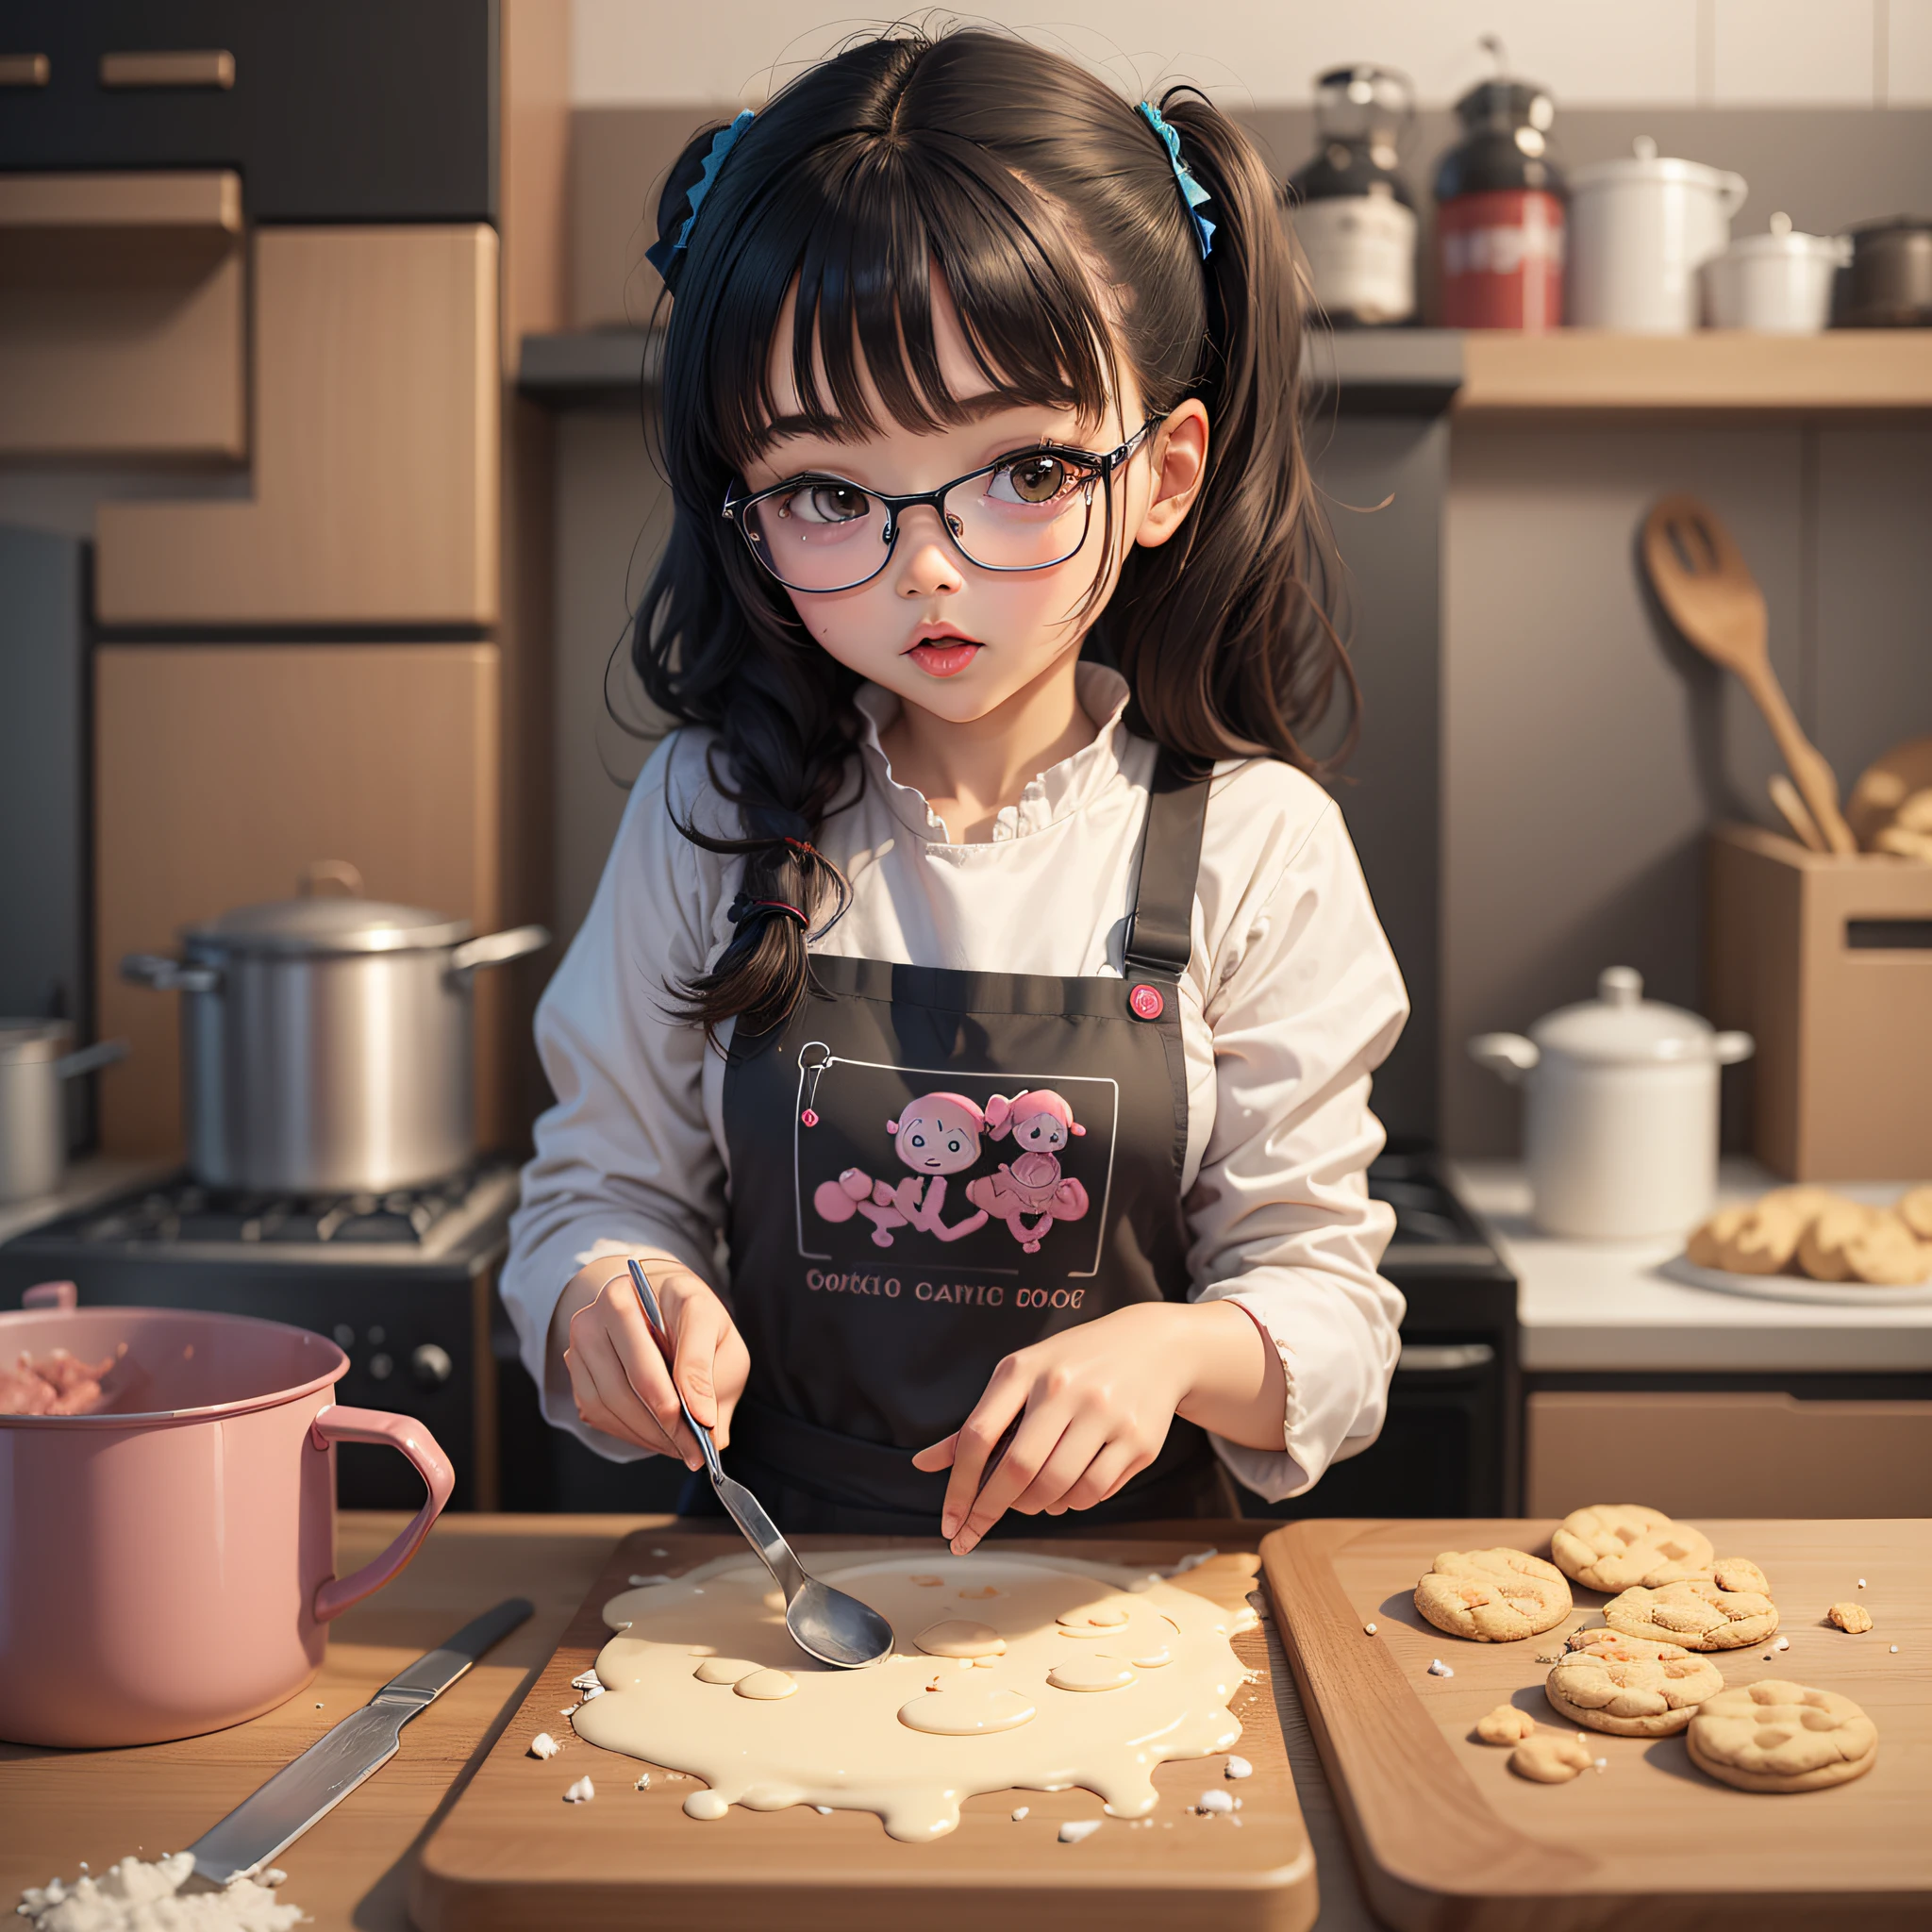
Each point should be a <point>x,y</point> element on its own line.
<point>1161,932</point>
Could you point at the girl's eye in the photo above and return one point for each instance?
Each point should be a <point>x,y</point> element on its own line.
<point>919,1139</point>
<point>1035,479</point>
<point>952,1146</point>
<point>825,502</point>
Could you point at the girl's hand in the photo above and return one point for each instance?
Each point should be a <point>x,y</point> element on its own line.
<point>617,1373</point>
<point>1098,1402</point>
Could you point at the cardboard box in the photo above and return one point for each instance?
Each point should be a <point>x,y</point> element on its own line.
<point>1826,962</point>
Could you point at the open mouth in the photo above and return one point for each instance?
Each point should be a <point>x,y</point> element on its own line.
<point>944,657</point>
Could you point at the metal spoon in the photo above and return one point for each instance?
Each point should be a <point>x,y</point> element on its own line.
<point>824,1622</point>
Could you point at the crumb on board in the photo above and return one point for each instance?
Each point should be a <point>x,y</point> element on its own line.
<point>1237,1767</point>
<point>1074,1829</point>
<point>581,1792</point>
<point>544,1745</point>
<point>1020,1811</point>
<point>1851,1617</point>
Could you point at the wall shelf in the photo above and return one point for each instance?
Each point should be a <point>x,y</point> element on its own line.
<point>1716,374</point>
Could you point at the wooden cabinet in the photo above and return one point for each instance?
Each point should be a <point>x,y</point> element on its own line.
<point>222,770</point>
<point>1759,1452</point>
<point>375,476</point>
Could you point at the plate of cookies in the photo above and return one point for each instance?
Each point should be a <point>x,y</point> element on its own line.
<point>1809,1244</point>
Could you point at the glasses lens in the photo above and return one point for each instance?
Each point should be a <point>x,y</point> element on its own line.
<point>1025,515</point>
<point>819,536</point>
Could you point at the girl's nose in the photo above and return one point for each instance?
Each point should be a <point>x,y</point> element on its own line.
<point>926,561</point>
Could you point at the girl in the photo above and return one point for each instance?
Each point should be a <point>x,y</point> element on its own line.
<point>980,382</point>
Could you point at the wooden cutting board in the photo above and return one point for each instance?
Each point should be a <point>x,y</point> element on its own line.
<point>1445,1834</point>
<point>512,1854</point>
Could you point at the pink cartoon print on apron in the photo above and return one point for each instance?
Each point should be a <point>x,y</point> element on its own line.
<point>936,1136</point>
<point>1029,1192</point>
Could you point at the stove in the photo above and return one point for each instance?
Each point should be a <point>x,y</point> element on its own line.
<point>1452,1443</point>
<point>403,1282</point>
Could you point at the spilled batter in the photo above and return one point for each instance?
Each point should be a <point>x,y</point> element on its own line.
<point>1040,1673</point>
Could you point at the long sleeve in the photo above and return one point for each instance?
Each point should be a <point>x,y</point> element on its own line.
<point>625,1160</point>
<point>1303,1000</point>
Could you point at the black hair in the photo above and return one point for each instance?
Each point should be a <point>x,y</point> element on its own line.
<point>1051,209</point>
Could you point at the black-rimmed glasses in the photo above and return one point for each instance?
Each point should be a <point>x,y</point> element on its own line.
<point>1028,510</point>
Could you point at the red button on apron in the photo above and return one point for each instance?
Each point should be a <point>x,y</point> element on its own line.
<point>1147,1002</point>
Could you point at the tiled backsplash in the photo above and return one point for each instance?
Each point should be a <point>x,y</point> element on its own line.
<point>1589,53</point>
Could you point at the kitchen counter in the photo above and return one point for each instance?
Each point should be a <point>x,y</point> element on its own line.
<point>1603,1305</point>
<point>58,1807</point>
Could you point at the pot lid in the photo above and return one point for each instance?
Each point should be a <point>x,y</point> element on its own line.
<point>1784,240</point>
<point>1621,1024</point>
<point>34,1039</point>
<point>1645,164</point>
<point>328,926</point>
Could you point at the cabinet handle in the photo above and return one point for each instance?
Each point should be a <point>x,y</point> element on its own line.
<point>25,70</point>
<point>170,67</point>
<point>1443,1358</point>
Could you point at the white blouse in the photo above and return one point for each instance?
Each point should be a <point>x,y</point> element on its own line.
<point>1289,1001</point>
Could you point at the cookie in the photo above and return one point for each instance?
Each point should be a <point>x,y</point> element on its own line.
<point>1825,1247</point>
<point>1493,1596</point>
<point>1915,1210</point>
<point>1549,1757</point>
<point>1696,1613</point>
<point>1888,1254</point>
<point>1598,1636</point>
<point>1853,1617</point>
<point>1777,1735</point>
<point>1610,1546</point>
<point>1632,1697</point>
<point>1740,1574</point>
<point>1505,1724</point>
<point>1706,1244</point>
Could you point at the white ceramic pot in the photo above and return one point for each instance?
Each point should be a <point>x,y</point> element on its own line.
<point>1639,229</point>
<point>1619,1131</point>
<point>1778,284</point>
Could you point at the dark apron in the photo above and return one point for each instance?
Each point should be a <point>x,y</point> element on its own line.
<point>896,1228</point>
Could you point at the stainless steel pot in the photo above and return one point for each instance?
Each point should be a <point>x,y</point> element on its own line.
<point>326,1042</point>
<point>34,1065</point>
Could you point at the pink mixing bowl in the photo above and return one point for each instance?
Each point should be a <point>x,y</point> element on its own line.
<point>167,1567</point>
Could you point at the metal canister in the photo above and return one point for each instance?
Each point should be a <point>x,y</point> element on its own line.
<point>1500,212</point>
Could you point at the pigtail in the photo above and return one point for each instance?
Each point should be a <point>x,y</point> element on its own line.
<point>1225,633</point>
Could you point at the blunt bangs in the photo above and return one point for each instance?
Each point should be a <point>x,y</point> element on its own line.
<point>859,230</point>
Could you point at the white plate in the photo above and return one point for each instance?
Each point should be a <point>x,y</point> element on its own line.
<point>1793,1287</point>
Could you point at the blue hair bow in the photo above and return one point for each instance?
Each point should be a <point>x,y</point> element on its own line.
<point>1193,194</point>
<point>661,254</point>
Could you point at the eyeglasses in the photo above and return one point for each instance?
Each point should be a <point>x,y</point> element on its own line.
<point>1029,510</point>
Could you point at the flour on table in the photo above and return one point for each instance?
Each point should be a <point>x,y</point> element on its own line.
<point>136,1896</point>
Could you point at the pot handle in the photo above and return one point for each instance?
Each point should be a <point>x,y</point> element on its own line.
<point>1728,1049</point>
<point>1508,1055</point>
<point>1732,191</point>
<point>339,1425</point>
<point>499,948</point>
<point>91,1059</point>
<point>165,975</point>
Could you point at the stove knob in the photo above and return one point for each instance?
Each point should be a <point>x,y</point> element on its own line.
<point>432,1366</point>
<point>380,1368</point>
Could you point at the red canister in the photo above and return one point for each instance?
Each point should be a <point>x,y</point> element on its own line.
<point>1499,213</point>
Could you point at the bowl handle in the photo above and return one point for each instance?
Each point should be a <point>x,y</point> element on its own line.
<point>339,1425</point>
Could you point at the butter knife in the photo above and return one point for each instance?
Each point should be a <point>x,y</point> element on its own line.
<point>316,1782</point>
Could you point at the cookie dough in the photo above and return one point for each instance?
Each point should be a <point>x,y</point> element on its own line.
<point>1505,1724</point>
<point>1697,1613</point>
<point>1612,1546</point>
<point>1653,1695</point>
<point>1549,1757</point>
<point>1775,1735</point>
<point>1493,1596</point>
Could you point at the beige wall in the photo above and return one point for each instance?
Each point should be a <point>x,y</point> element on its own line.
<point>1585,751</point>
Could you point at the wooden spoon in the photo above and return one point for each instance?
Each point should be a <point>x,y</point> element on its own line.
<point>1701,578</point>
<point>1884,785</point>
<point>1783,795</point>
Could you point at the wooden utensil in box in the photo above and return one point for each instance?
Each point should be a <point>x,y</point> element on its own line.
<point>1701,579</point>
<point>1890,787</point>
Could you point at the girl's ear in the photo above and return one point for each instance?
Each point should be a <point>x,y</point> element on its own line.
<point>1180,467</point>
<point>891,1126</point>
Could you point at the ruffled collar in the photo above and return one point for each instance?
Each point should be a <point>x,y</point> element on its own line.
<point>1054,794</point>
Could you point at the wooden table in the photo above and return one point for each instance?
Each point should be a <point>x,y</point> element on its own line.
<point>58,1807</point>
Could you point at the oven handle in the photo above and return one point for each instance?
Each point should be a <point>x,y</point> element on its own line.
<point>1443,1358</point>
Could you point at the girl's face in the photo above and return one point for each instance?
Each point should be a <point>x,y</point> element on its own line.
<point>1041,1134</point>
<point>937,1137</point>
<point>940,632</point>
